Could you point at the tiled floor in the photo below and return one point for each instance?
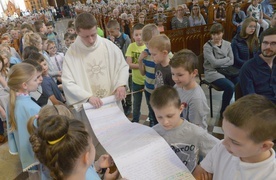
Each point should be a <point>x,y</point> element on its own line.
<point>10,167</point>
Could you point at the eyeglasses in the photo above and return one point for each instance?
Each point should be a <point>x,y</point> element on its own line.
<point>272,44</point>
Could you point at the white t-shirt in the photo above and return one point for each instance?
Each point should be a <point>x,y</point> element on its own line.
<point>225,166</point>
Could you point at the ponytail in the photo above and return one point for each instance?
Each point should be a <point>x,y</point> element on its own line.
<point>11,110</point>
<point>18,74</point>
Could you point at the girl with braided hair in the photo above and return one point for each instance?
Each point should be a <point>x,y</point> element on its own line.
<point>64,146</point>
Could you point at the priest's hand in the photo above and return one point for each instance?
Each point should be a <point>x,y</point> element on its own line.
<point>120,93</point>
<point>95,101</point>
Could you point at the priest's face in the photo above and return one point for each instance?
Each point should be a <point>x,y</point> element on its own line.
<point>88,36</point>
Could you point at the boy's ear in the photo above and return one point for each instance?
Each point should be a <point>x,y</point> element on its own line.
<point>195,72</point>
<point>181,107</point>
<point>267,145</point>
<point>165,52</point>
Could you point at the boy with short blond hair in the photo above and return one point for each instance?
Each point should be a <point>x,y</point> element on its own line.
<point>184,70</point>
<point>187,140</point>
<point>147,67</point>
<point>133,52</point>
<point>246,151</point>
<point>160,47</point>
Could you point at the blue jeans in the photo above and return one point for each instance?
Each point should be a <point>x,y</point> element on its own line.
<point>137,99</point>
<point>228,87</point>
<point>152,117</point>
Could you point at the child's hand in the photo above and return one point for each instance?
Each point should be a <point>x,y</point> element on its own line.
<point>206,176</point>
<point>105,161</point>
<point>113,176</point>
<point>200,174</point>
<point>143,55</point>
<point>112,38</point>
<point>59,79</point>
<point>60,87</point>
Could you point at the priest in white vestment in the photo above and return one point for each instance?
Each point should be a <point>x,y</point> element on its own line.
<point>93,68</point>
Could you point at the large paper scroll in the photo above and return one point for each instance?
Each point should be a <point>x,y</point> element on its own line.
<point>138,151</point>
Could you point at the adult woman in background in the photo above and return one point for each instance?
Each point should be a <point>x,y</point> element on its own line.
<point>180,20</point>
<point>218,53</point>
<point>245,44</point>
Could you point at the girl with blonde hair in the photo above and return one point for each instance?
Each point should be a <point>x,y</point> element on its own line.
<point>196,19</point>
<point>245,44</point>
<point>22,79</point>
<point>41,43</point>
<point>32,39</point>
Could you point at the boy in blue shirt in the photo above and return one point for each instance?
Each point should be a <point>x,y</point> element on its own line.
<point>147,67</point>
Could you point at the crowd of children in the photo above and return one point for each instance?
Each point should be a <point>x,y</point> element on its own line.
<point>43,131</point>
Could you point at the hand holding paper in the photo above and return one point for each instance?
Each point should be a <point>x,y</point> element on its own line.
<point>139,152</point>
<point>120,93</point>
<point>95,102</point>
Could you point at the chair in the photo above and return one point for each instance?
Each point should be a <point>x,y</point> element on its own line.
<point>203,81</point>
<point>238,91</point>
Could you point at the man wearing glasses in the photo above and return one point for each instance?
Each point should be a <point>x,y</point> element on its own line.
<point>258,75</point>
